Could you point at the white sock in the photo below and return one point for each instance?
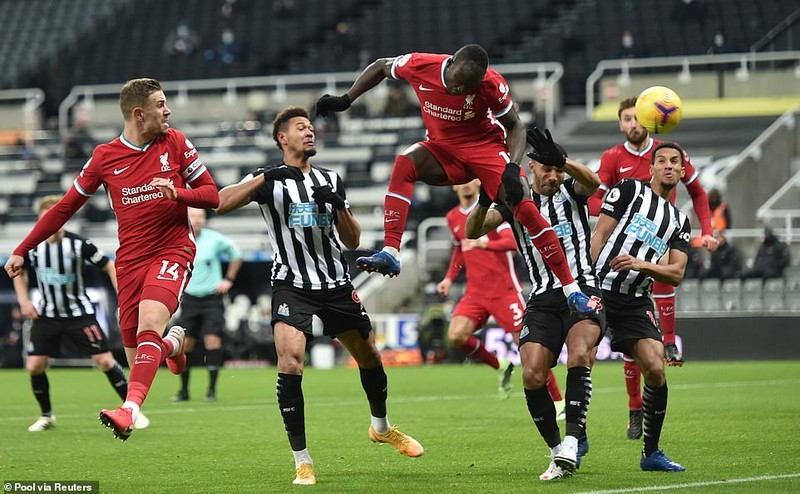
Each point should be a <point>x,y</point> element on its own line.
<point>176,345</point>
<point>554,451</point>
<point>570,441</point>
<point>391,250</point>
<point>380,424</point>
<point>134,409</point>
<point>571,288</point>
<point>301,457</point>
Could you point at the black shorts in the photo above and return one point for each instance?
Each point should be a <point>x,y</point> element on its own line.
<point>83,331</point>
<point>340,309</point>
<point>202,315</point>
<point>548,320</point>
<point>631,318</point>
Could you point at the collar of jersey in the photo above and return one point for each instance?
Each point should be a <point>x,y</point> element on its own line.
<point>444,67</point>
<point>643,151</point>
<point>132,145</point>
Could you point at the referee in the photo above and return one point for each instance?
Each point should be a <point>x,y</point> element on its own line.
<point>65,311</point>
<point>202,308</point>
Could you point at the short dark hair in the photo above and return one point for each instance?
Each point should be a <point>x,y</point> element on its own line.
<point>669,145</point>
<point>279,124</point>
<point>474,60</point>
<point>136,93</point>
<point>625,104</point>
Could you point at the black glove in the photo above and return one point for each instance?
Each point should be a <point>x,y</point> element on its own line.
<point>545,150</point>
<point>281,172</point>
<point>484,199</point>
<point>327,104</point>
<point>324,194</point>
<point>513,184</point>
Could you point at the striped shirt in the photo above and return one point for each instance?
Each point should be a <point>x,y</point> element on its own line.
<point>59,271</point>
<point>648,228</point>
<point>567,212</point>
<point>307,253</point>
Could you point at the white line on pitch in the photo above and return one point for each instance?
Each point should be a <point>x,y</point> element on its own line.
<point>694,484</point>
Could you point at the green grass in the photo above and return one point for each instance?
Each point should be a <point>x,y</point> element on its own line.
<point>728,423</point>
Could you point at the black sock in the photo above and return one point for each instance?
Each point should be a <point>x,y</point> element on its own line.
<point>41,390</point>
<point>654,410</point>
<point>543,413</point>
<point>116,376</point>
<point>185,373</point>
<point>577,396</point>
<point>376,386</point>
<point>291,405</point>
<point>214,361</point>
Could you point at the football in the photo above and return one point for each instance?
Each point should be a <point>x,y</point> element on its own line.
<point>659,109</point>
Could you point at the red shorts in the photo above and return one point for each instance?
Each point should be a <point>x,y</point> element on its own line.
<point>466,162</point>
<point>508,310</point>
<point>162,279</point>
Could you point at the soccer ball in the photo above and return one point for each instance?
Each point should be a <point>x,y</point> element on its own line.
<point>659,109</point>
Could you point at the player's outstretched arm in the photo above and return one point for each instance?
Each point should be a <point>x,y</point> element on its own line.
<point>375,72</point>
<point>602,232</point>
<point>482,219</point>
<point>238,195</point>
<point>586,181</point>
<point>111,270</point>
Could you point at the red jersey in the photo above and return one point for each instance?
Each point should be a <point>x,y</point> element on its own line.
<point>623,161</point>
<point>148,222</point>
<point>490,271</point>
<point>455,118</point>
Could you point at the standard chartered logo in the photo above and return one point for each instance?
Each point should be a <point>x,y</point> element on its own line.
<point>136,195</point>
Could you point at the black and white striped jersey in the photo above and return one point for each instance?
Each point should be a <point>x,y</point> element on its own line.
<point>307,253</point>
<point>648,228</point>
<point>59,271</point>
<point>568,213</point>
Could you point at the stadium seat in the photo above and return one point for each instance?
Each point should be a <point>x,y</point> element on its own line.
<point>731,294</point>
<point>710,294</point>
<point>792,294</point>
<point>773,294</point>
<point>751,295</point>
<point>687,296</point>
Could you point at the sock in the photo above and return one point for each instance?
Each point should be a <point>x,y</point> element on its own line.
<point>117,379</point>
<point>134,409</point>
<point>654,410</point>
<point>376,387</point>
<point>633,384</point>
<point>292,407</point>
<point>394,252</point>
<point>301,457</point>
<point>477,352</point>
<point>398,200</point>
<point>544,239</point>
<point>185,377</point>
<point>41,390</point>
<point>214,360</point>
<point>149,356</point>
<point>666,316</point>
<point>169,346</point>
<point>552,386</point>
<point>579,394</point>
<point>543,413</point>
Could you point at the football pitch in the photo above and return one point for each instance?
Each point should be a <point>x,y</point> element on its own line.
<point>733,425</point>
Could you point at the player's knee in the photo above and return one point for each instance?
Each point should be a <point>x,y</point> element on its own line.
<point>104,361</point>
<point>36,367</point>
<point>534,378</point>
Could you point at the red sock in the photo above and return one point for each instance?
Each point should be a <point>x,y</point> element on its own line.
<point>545,240</point>
<point>633,383</point>
<point>476,351</point>
<point>398,200</point>
<point>149,355</point>
<point>552,387</point>
<point>664,296</point>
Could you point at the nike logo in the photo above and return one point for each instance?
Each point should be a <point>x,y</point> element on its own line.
<point>548,256</point>
<point>117,172</point>
<point>457,228</point>
<point>627,169</point>
<point>423,88</point>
